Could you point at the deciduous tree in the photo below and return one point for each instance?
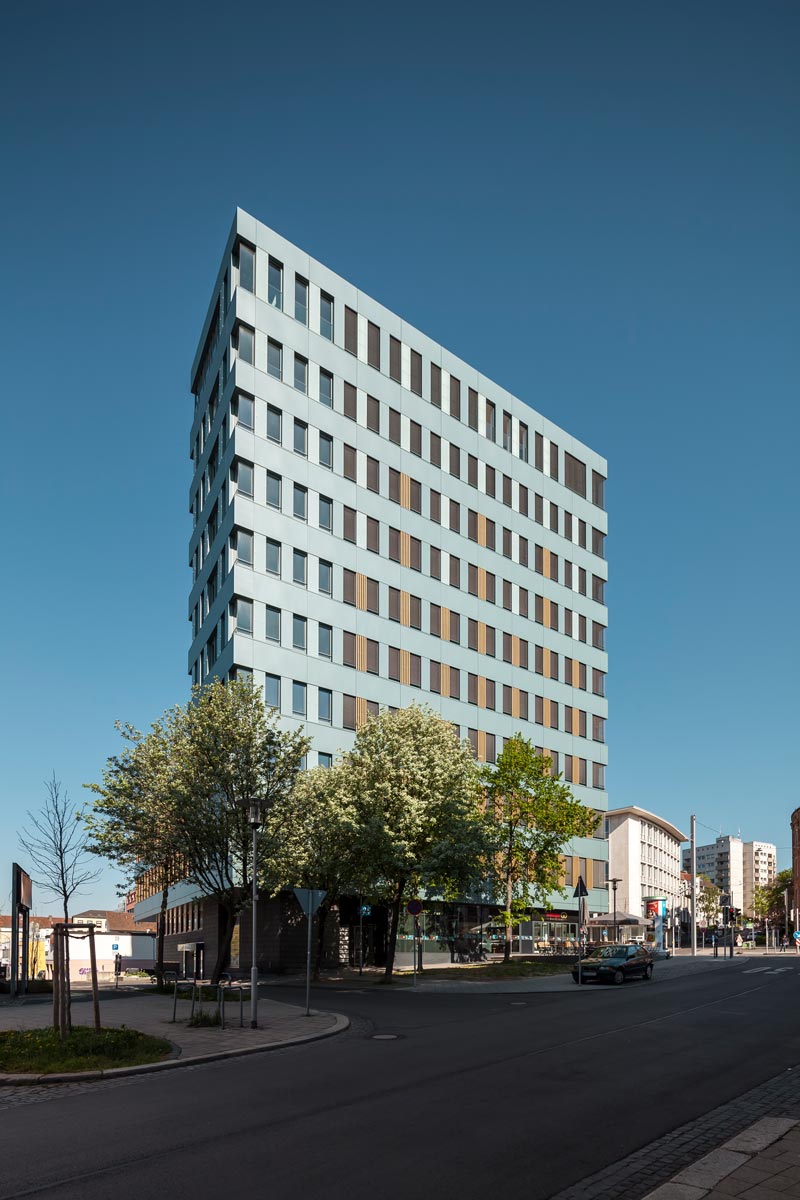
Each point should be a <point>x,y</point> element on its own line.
<point>533,816</point>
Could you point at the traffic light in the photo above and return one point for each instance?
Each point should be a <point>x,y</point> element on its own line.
<point>726,914</point>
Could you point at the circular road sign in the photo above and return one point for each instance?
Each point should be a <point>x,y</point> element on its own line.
<point>414,908</point>
<point>796,935</point>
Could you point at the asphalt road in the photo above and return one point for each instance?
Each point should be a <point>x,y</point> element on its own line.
<point>525,1093</point>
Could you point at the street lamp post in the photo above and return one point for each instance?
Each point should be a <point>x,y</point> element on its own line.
<point>614,883</point>
<point>254,820</point>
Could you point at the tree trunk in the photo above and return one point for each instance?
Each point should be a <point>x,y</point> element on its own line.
<point>322,913</point>
<point>509,927</point>
<point>224,951</point>
<point>162,930</point>
<point>66,999</point>
<point>397,901</point>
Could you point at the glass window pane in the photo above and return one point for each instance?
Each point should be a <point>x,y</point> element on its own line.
<point>273,624</point>
<point>273,490</point>
<point>298,698</point>
<point>300,437</point>
<point>247,268</point>
<point>246,344</point>
<point>326,316</point>
<point>273,557</point>
<point>244,411</point>
<point>273,423</point>
<point>326,450</point>
<point>326,389</point>
<point>274,359</point>
<point>275,284</point>
<point>325,577</point>
<point>325,705</point>
<point>325,513</point>
<point>300,299</point>
<point>299,567</point>
<point>300,374</point>
<point>244,616</point>
<point>300,505</point>
<point>244,478</point>
<point>244,547</point>
<point>272,691</point>
<point>298,632</point>
<point>325,647</point>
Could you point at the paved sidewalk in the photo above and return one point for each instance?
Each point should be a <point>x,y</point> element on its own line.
<point>760,1163</point>
<point>279,1025</point>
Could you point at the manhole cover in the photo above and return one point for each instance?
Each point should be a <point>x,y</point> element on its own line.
<point>518,1003</point>
<point>385,1037</point>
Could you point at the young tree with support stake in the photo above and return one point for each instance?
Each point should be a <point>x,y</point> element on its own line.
<point>533,816</point>
<point>57,845</point>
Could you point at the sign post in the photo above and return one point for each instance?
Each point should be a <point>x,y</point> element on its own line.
<point>580,893</point>
<point>309,900</point>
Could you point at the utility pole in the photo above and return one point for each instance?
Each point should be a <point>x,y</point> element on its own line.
<point>614,883</point>
<point>694,885</point>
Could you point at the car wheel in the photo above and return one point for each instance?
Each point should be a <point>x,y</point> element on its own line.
<point>618,977</point>
<point>648,971</point>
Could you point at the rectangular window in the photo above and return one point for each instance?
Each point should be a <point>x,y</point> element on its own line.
<point>274,359</point>
<point>300,438</point>
<point>350,462</point>
<point>244,478</point>
<point>491,421</point>
<point>373,535</point>
<point>598,682</point>
<point>301,299</point>
<point>598,635</point>
<point>272,691</point>
<point>598,775</point>
<point>373,469</point>
<point>455,461</point>
<point>415,438</point>
<point>349,516</point>
<point>244,615</point>
<point>326,513</point>
<point>435,676</point>
<point>324,706</point>
<point>243,410</point>
<point>455,398</point>
<point>349,712</point>
<point>372,595</point>
<point>325,577</point>
<point>394,604</point>
<point>490,588</point>
<point>299,567</point>
<point>247,267</point>
<point>435,621</point>
<point>507,431</point>
<point>553,461</point>
<point>372,657</point>
<point>273,557</point>
<point>574,474</point>
<point>455,572</point>
<point>350,402</point>
<point>523,442</point>
<point>394,485</point>
<point>598,490</point>
<point>455,628</point>
<point>326,316</point>
<point>415,554</point>
<point>435,450</point>
<point>301,374</point>
<point>326,388</point>
<point>436,386</point>
<point>272,629</point>
<point>298,632</point>
<point>274,424</point>
<point>373,346</point>
<point>325,641</point>
<point>245,343</point>
<point>598,729</point>
<point>394,359</point>
<point>598,589</point>
<point>275,283</point>
<point>538,451</point>
<point>394,426</point>
<point>298,698</point>
<point>326,451</point>
<point>350,330</point>
<point>348,586</point>
<point>416,372</point>
<point>244,547</point>
<point>455,516</point>
<point>598,543</point>
<point>274,490</point>
<point>300,502</point>
<point>415,495</point>
<point>435,562</point>
<point>491,480</point>
<point>472,408</point>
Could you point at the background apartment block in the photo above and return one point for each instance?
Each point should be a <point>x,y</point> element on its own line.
<point>377,523</point>
<point>737,867</point>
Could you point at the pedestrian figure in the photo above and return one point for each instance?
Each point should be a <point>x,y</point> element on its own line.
<point>739,943</point>
<point>784,943</point>
<point>714,944</point>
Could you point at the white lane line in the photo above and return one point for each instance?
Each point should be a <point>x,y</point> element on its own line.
<point>759,970</point>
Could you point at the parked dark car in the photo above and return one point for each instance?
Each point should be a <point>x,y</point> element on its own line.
<point>615,964</point>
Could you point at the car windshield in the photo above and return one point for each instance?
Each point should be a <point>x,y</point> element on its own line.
<point>610,952</point>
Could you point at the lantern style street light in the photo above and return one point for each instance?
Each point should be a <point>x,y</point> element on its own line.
<point>254,821</point>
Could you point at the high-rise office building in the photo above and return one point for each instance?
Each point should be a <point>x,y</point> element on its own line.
<point>375,522</point>
<point>737,868</point>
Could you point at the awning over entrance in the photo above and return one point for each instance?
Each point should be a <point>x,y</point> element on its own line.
<point>623,918</point>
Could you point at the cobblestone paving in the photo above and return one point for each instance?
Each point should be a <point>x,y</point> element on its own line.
<point>640,1173</point>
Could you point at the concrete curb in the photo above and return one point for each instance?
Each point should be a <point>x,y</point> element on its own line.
<point>170,1064</point>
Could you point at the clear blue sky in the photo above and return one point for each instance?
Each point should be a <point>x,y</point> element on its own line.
<point>597,204</point>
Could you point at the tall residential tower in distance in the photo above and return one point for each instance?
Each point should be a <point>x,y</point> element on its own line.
<point>377,523</point>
